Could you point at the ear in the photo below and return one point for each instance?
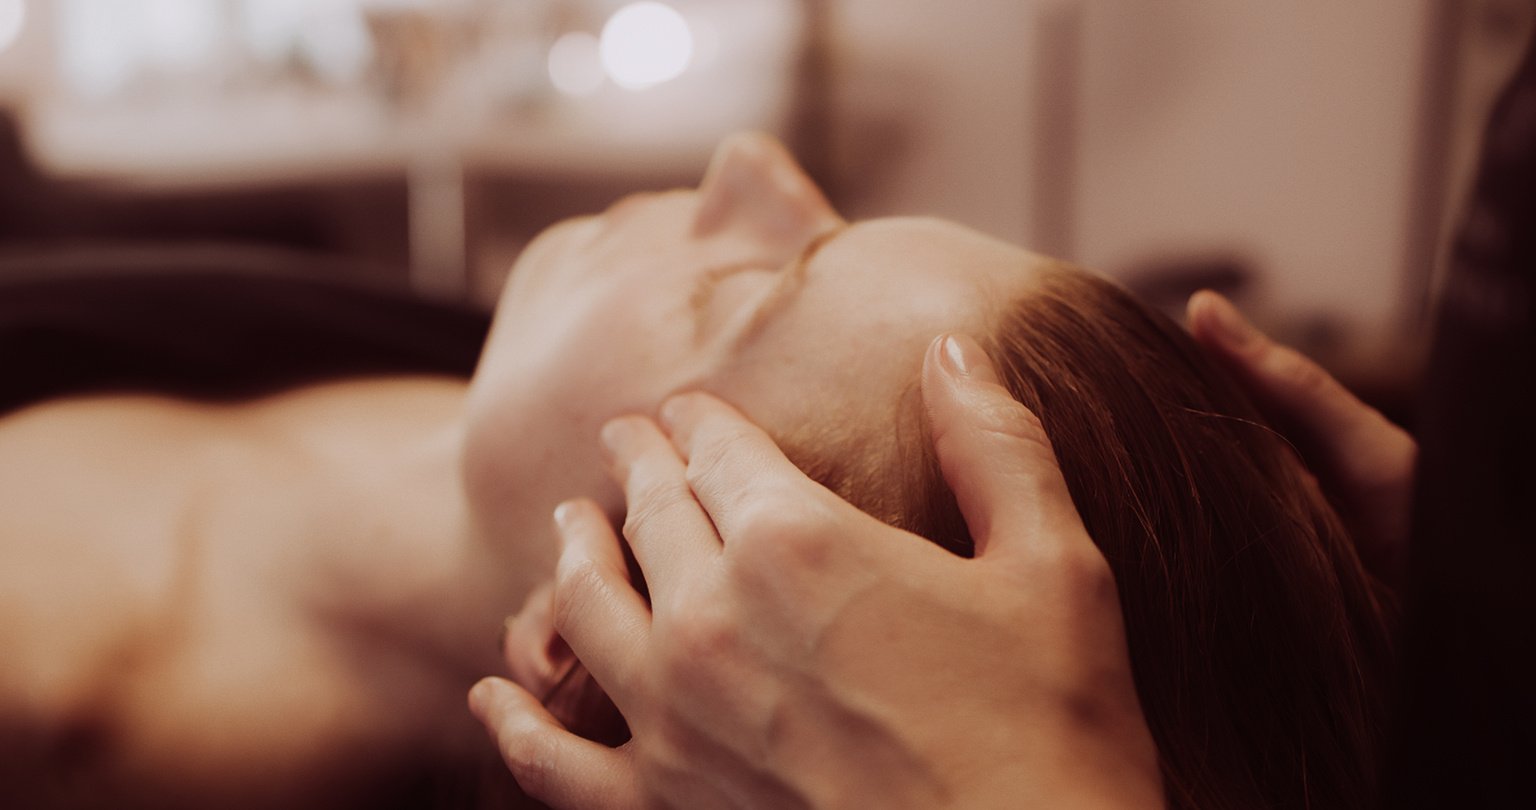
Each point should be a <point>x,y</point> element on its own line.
<point>755,184</point>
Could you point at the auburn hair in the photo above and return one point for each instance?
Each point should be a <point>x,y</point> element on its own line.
<point>1258,641</point>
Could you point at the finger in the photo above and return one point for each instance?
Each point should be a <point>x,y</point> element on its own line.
<point>596,608</point>
<point>1283,377</point>
<point>995,455</point>
<point>734,468</point>
<point>551,764</point>
<point>1362,455</point>
<point>666,528</point>
<point>536,656</point>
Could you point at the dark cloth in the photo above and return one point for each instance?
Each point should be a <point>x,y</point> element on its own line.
<point>1465,730</point>
<point>213,327</point>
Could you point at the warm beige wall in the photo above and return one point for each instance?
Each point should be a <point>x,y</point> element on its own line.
<point>933,110</point>
<point>1285,132</point>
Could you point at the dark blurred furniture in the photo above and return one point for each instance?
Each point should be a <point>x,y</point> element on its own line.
<point>360,219</point>
<point>213,323</point>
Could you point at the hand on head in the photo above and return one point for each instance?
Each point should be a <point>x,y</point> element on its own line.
<point>1364,462</point>
<point>797,652</point>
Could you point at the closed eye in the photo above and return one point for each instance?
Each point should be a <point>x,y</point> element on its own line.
<point>709,281</point>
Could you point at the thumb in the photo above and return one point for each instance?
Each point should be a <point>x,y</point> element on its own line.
<point>995,455</point>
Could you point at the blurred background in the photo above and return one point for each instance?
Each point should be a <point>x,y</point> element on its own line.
<point>1308,157</point>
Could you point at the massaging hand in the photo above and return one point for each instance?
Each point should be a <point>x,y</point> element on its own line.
<point>1364,462</point>
<point>798,653</point>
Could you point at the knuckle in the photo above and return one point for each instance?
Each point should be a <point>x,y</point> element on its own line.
<point>576,584</point>
<point>777,518</point>
<point>1009,420</point>
<point>652,502</point>
<point>725,445</point>
<point>788,538</point>
<point>700,645</point>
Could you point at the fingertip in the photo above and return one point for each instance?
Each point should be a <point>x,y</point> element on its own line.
<point>618,436</point>
<point>1195,307</point>
<point>483,696</point>
<point>994,452</point>
<point>572,515</point>
<point>564,517</point>
<point>573,520</point>
<point>958,379</point>
<point>962,358</point>
<point>677,411</point>
<point>669,412</point>
<point>1213,319</point>
<point>683,416</point>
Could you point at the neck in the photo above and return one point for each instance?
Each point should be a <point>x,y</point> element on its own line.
<point>403,560</point>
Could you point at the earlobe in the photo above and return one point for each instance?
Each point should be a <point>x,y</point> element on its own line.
<point>753,182</point>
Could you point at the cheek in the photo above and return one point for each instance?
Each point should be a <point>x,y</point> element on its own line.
<point>541,396</point>
<point>526,450</point>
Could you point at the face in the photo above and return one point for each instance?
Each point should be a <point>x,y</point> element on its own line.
<point>750,287</point>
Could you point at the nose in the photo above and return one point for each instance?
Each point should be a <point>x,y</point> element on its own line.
<point>754,184</point>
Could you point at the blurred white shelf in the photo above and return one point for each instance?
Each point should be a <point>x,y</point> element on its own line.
<point>274,140</point>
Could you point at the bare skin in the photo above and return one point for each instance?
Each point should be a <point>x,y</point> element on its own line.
<point>231,599</point>
<point>185,587</point>
<point>683,661</point>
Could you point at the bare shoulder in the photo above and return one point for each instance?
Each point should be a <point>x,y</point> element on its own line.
<point>144,543</point>
<point>87,488</point>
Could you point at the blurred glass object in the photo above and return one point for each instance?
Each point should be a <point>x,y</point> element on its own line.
<point>331,38</point>
<point>105,45</point>
<point>575,65</point>
<point>218,88</point>
<point>645,44</point>
<point>175,96</point>
<point>13,18</point>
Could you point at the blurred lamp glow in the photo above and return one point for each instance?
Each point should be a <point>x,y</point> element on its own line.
<point>645,44</point>
<point>574,66</point>
<point>13,16</point>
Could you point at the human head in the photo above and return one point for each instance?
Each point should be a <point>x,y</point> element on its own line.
<point>1255,636</point>
<point>1258,641</point>
<point>750,287</point>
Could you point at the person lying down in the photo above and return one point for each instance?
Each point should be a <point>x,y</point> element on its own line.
<point>282,601</point>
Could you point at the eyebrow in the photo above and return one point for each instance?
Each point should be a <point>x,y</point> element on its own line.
<point>789,281</point>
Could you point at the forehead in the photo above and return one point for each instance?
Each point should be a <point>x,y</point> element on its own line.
<point>849,347</point>
<point>888,287</point>
<point>906,257</point>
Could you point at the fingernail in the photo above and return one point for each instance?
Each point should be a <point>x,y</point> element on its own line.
<point>616,435</point>
<point>671,411</point>
<point>1231,327</point>
<point>565,515</point>
<point>480,696</point>
<point>963,357</point>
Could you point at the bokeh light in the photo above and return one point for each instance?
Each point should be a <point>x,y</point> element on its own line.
<point>645,44</point>
<point>574,65</point>
<point>13,17</point>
